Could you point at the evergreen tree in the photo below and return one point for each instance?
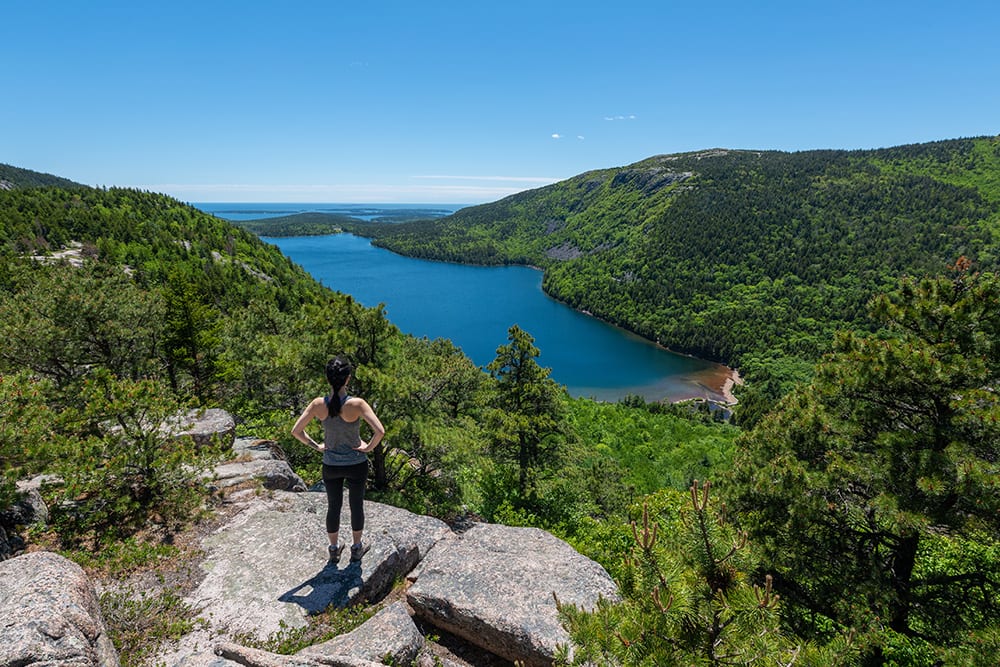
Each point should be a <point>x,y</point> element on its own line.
<point>26,431</point>
<point>523,415</point>
<point>688,601</point>
<point>121,462</point>
<point>874,491</point>
<point>192,339</point>
<point>62,321</point>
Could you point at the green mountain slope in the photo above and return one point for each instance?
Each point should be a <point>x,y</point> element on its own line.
<point>159,238</point>
<point>741,256</point>
<point>16,177</point>
<point>118,302</point>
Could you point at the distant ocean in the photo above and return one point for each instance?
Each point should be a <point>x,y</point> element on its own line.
<point>255,211</point>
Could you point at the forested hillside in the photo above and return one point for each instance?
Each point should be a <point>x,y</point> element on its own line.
<point>107,293</point>
<point>854,524</point>
<point>15,177</point>
<point>752,258</point>
<point>121,307</point>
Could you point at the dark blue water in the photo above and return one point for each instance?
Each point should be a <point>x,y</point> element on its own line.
<point>474,306</point>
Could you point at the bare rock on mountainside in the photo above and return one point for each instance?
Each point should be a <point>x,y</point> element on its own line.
<point>30,508</point>
<point>270,565</point>
<point>49,615</point>
<point>493,586</point>
<point>27,509</point>
<point>266,569</point>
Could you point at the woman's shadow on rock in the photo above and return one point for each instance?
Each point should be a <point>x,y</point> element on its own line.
<point>329,586</point>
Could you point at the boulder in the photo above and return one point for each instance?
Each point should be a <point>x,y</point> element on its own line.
<point>7,549</point>
<point>208,428</point>
<point>28,509</point>
<point>493,586</point>
<point>267,568</point>
<point>273,474</point>
<point>389,634</point>
<point>49,614</point>
<point>250,657</point>
<point>246,449</point>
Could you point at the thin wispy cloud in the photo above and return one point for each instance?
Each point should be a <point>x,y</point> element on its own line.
<point>631,116</point>
<point>557,136</point>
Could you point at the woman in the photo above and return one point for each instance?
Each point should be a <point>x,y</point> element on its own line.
<point>345,454</point>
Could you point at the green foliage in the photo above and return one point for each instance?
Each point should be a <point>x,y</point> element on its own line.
<point>121,464</point>
<point>732,255</point>
<point>125,556</point>
<point>300,224</point>
<point>687,598</point>
<point>192,340</point>
<point>25,431</point>
<point>317,223</point>
<point>330,623</point>
<point>26,178</point>
<point>523,411</point>
<point>874,491</point>
<point>609,455</point>
<point>648,447</point>
<point>59,321</point>
<point>139,621</point>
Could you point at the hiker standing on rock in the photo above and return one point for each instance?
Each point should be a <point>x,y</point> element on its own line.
<point>345,454</point>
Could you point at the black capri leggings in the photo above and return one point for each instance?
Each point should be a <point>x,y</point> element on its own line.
<point>333,479</point>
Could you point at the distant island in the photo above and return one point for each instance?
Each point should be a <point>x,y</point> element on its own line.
<point>320,223</point>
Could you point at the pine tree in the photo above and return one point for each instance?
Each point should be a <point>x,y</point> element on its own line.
<point>874,491</point>
<point>688,600</point>
<point>523,415</point>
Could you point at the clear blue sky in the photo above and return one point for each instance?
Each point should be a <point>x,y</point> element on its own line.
<point>467,102</point>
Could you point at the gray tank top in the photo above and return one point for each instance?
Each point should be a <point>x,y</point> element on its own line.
<point>340,438</point>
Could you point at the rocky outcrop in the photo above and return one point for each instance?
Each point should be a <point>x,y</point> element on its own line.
<point>272,475</point>
<point>563,252</point>
<point>49,615</point>
<point>649,179</point>
<point>208,428</point>
<point>264,570</point>
<point>494,585</point>
<point>267,569</point>
<point>256,460</point>
<point>28,509</point>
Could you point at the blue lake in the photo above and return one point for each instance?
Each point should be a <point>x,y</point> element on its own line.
<point>474,306</point>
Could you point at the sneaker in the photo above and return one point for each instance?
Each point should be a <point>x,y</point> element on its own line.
<point>335,552</point>
<point>358,550</point>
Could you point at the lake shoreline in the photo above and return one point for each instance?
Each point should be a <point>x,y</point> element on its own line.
<point>720,381</point>
<point>716,386</point>
<point>719,384</point>
<point>730,383</point>
<point>704,380</point>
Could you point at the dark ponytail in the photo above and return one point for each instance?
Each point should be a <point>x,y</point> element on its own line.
<point>338,370</point>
